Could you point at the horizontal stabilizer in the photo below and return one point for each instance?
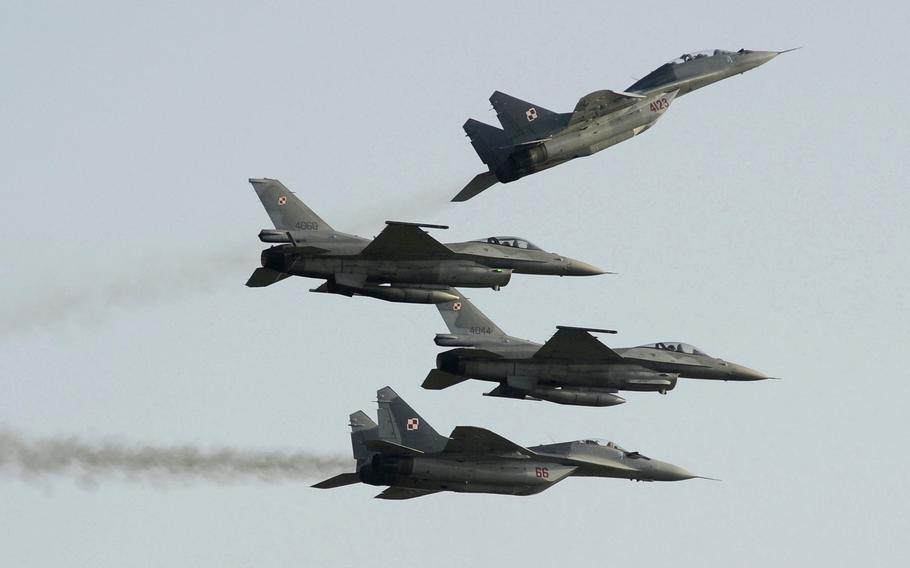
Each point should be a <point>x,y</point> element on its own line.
<point>399,240</point>
<point>265,277</point>
<point>438,380</point>
<point>482,442</point>
<point>400,493</point>
<point>480,182</point>
<point>387,447</point>
<point>576,343</point>
<point>338,481</point>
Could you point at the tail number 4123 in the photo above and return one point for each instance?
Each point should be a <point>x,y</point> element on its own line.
<point>660,104</point>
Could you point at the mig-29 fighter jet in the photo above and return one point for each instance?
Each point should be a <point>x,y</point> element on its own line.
<point>405,453</point>
<point>402,264</point>
<point>572,367</point>
<point>533,138</point>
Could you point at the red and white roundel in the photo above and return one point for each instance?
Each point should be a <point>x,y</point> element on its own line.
<point>282,200</point>
<point>413,423</point>
<point>456,306</point>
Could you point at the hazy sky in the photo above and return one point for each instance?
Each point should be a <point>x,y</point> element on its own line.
<point>765,219</point>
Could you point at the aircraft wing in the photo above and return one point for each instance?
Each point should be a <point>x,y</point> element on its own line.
<point>406,240</point>
<point>479,441</point>
<point>575,343</point>
<point>399,493</point>
<point>600,103</point>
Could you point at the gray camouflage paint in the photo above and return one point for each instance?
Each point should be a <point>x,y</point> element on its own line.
<point>403,264</point>
<point>573,367</point>
<point>405,453</point>
<point>533,138</point>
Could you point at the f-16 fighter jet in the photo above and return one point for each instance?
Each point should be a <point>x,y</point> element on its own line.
<point>402,264</point>
<point>533,138</point>
<point>405,453</point>
<point>572,367</point>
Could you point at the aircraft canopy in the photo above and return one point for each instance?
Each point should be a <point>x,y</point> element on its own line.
<point>676,346</point>
<point>515,242</point>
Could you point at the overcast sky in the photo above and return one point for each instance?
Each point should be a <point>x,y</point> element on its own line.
<point>765,219</point>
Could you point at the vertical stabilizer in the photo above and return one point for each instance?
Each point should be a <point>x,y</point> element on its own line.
<point>524,121</point>
<point>463,318</point>
<point>400,423</point>
<point>285,209</point>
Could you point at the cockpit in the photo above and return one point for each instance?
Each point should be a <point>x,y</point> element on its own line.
<point>514,242</point>
<point>676,347</point>
<point>596,442</point>
<point>685,57</point>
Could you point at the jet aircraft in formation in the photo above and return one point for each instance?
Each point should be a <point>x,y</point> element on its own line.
<point>405,264</point>
<point>402,264</point>
<point>406,454</point>
<point>572,367</point>
<point>533,138</point>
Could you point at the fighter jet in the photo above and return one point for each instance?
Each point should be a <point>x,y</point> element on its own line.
<point>405,453</point>
<point>572,367</point>
<point>402,264</point>
<point>533,138</point>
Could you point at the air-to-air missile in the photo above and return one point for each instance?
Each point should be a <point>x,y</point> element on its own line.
<point>572,367</point>
<point>406,454</point>
<point>402,264</point>
<point>533,138</point>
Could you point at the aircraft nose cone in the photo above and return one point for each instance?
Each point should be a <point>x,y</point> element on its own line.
<point>578,268</point>
<point>757,58</point>
<point>741,373</point>
<point>663,471</point>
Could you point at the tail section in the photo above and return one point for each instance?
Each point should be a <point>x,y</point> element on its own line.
<point>464,319</point>
<point>362,429</point>
<point>285,209</point>
<point>400,423</point>
<point>524,121</point>
<point>490,143</point>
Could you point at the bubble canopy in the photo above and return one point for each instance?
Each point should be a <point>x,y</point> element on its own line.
<point>699,54</point>
<point>514,242</point>
<point>676,347</point>
<point>597,442</point>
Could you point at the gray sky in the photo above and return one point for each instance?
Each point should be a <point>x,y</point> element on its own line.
<point>765,219</point>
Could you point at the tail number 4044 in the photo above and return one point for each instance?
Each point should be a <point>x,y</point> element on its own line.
<point>543,472</point>
<point>660,104</point>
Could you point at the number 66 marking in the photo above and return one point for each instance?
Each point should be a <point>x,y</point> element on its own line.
<point>543,472</point>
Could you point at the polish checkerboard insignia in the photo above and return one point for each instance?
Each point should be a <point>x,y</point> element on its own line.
<point>282,200</point>
<point>456,306</point>
<point>531,114</point>
<point>413,423</point>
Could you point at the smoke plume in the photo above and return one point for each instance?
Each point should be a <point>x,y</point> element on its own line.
<point>191,276</point>
<point>184,278</point>
<point>89,462</point>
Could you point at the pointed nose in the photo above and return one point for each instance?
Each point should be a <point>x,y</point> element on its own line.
<point>740,373</point>
<point>662,471</point>
<point>756,58</point>
<point>579,268</point>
